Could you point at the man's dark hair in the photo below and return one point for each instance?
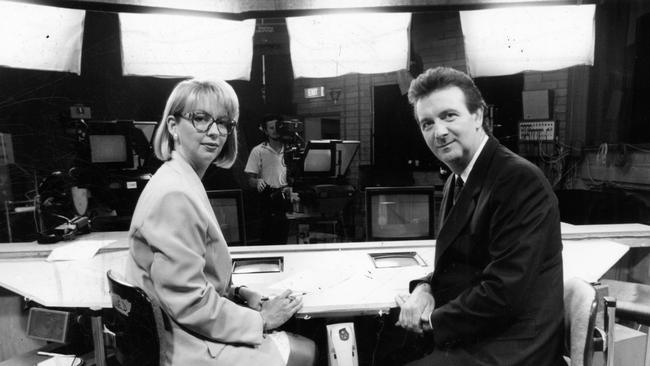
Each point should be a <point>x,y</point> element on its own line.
<point>268,118</point>
<point>442,77</point>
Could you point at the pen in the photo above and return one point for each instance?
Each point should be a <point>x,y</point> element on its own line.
<point>51,354</point>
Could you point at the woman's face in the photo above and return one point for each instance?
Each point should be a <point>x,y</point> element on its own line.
<point>199,149</point>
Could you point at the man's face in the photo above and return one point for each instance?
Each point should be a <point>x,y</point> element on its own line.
<point>452,133</point>
<point>271,131</point>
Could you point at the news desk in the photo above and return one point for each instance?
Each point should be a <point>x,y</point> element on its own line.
<point>338,279</point>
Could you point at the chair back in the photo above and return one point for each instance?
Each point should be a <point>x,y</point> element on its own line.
<point>137,323</point>
<point>579,321</point>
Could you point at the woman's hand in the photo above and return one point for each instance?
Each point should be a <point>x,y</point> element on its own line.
<point>252,298</point>
<point>279,309</point>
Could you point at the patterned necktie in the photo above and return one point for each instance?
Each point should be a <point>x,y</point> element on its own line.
<point>458,186</point>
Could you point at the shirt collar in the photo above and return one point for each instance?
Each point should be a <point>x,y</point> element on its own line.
<point>267,146</point>
<point>465,174</point>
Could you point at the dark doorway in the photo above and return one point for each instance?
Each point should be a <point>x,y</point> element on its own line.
<point>640,123</point>
<point>504,94</point>
<point>398,143</point>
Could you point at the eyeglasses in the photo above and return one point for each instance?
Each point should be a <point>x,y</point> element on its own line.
<point>203,121</point>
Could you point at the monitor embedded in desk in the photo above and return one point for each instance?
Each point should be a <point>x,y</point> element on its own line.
<point>257,265</point>
<point>396,259</point>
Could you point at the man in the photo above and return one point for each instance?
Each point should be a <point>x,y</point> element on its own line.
<point>495,296</point>
<point>267,173</point>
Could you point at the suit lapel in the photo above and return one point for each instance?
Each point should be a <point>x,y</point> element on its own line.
<point>463,210</point>
<point>445,204</point>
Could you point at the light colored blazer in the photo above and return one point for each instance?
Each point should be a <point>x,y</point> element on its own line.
<point>179,257</point>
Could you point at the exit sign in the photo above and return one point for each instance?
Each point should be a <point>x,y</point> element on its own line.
<point>315,92</point>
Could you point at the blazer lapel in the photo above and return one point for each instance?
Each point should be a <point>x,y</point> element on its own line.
<point>463,210</point>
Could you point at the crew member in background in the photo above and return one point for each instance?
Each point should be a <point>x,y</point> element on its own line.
<point>495,296</point>
<point>267,173</point>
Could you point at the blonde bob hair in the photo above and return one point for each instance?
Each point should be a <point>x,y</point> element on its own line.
<point>185,96</point>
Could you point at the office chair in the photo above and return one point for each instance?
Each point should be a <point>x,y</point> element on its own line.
<point>138,323</point>
<point>582,336</point>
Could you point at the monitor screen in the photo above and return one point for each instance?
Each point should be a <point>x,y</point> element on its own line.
<point>396,259</point>
<point>228,209</point>
<point>318,161</point>
<point>399,213</point>
<point>107,148</point>
<point>225,209</point>
<point>110,144</point>
<point>318,158</point>
<point>329,158</point>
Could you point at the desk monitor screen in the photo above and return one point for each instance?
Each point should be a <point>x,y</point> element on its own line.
<point>257,265</point>
<point>110,144</point>
<point>228,207</point>
<point>399,213</point>
<point>398,259</point>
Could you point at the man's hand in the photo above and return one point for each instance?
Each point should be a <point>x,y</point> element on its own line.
<point>425,320</point>
<point>261,184</point>
<point>415,309</point>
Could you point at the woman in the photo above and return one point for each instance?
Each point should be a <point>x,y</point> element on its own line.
<point>179,256</point>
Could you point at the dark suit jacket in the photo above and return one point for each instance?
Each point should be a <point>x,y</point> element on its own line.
<point>497,280</point>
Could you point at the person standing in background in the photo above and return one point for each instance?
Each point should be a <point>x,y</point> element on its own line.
<point>267,174</point>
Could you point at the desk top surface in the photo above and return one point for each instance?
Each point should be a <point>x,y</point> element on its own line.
<point>633,235</point>
<point>355,286</point>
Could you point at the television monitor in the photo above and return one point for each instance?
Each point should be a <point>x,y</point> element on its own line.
<point>329,158</point>
<point>228,207</point>
<point>110,144</point>
<point>400,213</point>
<point>318,158</point>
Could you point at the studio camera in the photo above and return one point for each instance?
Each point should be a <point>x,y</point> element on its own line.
<point>290,131</point>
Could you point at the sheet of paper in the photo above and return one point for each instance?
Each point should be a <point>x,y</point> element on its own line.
<point>78,250</point>
<point>309,282</point>
<point>590,259</point>
<point>61,361</point>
